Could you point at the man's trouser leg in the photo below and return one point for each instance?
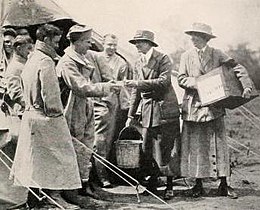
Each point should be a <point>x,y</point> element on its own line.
<point>104,129</point>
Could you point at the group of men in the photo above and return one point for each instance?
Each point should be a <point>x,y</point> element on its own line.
<point>59,135</point>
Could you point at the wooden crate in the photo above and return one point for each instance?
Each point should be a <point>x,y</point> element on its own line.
<point>222,88</point>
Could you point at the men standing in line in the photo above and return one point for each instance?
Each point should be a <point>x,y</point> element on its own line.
<point>41,159</point>
<point>154,102</point>
<point>76,70</point>
<point>111,111</point>
<point>204,150</point>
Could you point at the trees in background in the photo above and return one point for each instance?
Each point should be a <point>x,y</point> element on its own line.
<point>248,58</point>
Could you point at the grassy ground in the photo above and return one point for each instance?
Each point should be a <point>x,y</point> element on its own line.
<point>245,131</point>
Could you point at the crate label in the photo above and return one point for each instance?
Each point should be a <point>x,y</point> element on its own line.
<point>211,89</point>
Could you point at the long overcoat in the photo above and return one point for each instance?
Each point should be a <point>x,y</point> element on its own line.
<point>45,157</point>
<point>76,71</point>
<point>204,151</point>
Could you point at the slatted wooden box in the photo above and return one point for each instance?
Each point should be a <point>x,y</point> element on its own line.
<point>222,88</point>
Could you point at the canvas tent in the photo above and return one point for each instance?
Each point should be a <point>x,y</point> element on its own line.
<point>29,14</point>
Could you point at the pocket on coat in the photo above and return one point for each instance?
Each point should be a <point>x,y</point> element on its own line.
<point>168,110</point>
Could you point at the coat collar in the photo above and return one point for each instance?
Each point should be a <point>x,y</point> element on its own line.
<point>153,59</point>
<point>46,49</point>
<point>207,56</point>
<point>19,58</point>
<point>77,57</point>
<point>149,67</point>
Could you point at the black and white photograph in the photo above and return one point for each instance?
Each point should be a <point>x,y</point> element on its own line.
<point>129,104</point>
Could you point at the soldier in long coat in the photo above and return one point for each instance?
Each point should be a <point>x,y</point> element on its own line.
<point>76,70</point>
<point>204,150</point>
<point>45,157</point>
<point>154,99</point>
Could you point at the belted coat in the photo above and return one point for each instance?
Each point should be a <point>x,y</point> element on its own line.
<point>155,94</point>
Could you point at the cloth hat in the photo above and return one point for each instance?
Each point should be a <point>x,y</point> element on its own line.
<point>143,35</point>
<point>201,28</point>
<point>22,39</point>
<point>78,29</point>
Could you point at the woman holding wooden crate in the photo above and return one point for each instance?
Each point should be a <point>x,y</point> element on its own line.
<point>204,150</point>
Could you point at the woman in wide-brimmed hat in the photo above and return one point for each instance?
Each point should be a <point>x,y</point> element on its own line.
<point>204,150</point>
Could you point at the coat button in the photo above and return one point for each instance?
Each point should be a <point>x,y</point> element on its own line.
<point>213,155</point>
<point>215,170</point>
<point>214,163</point>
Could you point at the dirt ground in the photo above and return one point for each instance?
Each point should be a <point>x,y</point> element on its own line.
<point>245,180</point>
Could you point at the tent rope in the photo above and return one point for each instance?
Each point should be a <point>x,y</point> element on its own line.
<point>45,195</point>
<point>107,164</point>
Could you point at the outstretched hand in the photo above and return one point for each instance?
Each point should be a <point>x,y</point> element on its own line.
<point>246,93</point>
<point>115,87</point>
<point>131,83</point>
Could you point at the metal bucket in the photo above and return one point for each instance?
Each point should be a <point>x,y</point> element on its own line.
<point>129,148</point>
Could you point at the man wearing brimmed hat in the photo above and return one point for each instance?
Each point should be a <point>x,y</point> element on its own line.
<point>76,70</point>
<point>204,150</point>
<point>154,103</point>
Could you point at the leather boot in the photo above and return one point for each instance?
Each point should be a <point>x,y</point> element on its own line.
<point>225,190</point>
<point>88,190</point>
<point>56,196</point>
<point>197,190</point>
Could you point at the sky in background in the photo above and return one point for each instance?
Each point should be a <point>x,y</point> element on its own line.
<point>233,21</point>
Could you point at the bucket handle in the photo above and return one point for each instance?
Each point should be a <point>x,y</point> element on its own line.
<point>128,127</point>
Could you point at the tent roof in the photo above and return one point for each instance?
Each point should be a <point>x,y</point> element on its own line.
<point>33,12</point>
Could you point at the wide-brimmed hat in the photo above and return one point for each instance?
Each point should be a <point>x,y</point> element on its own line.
<point>143,35</point>
<point>78,29</point>
<point>201,28</point>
